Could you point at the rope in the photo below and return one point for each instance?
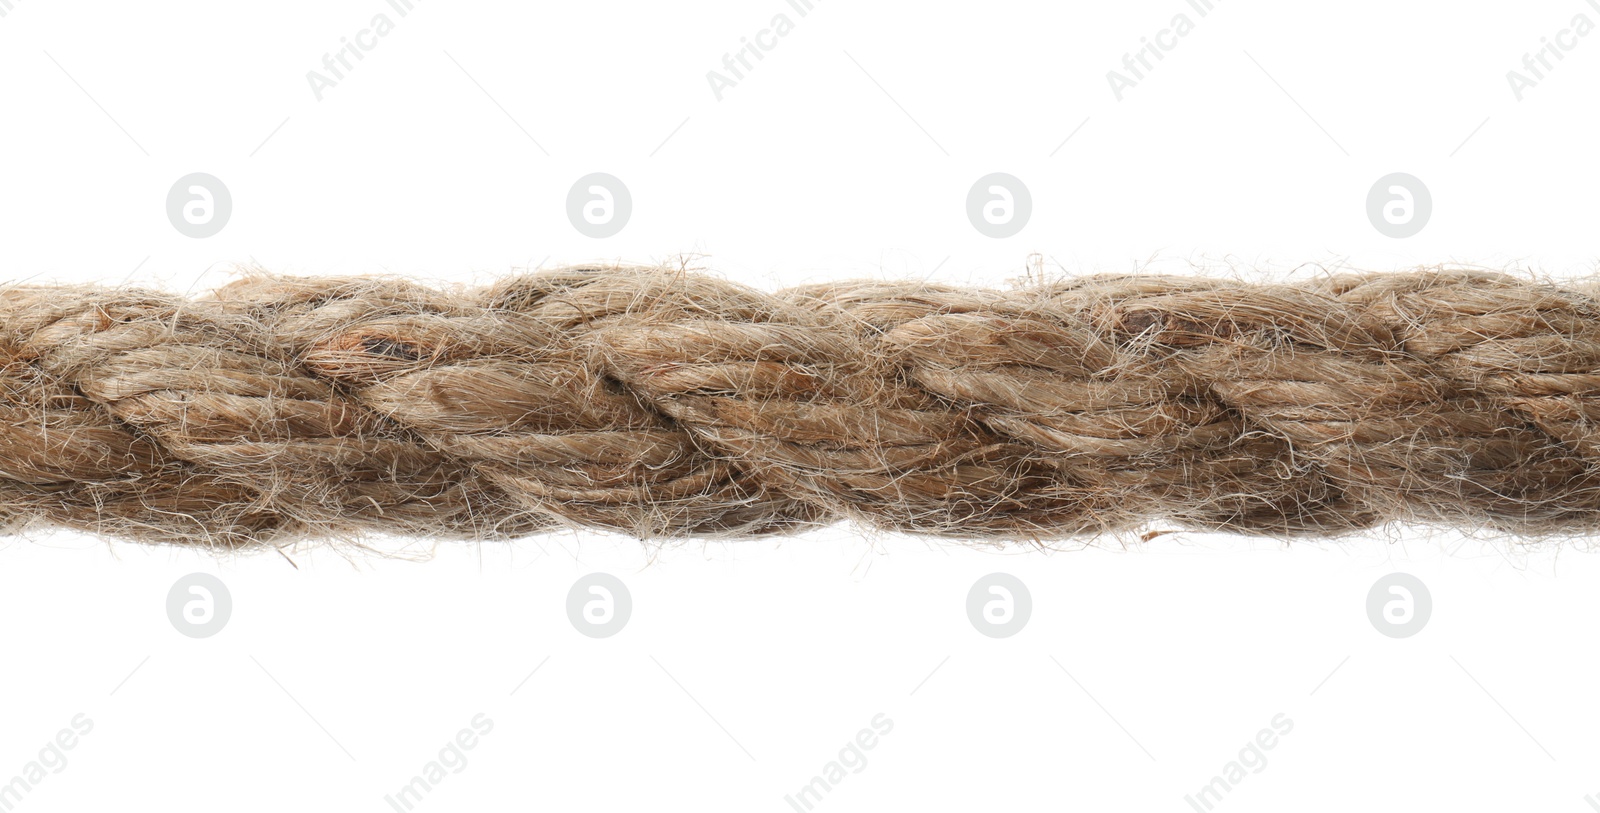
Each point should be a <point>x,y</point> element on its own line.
<point>665,403</point>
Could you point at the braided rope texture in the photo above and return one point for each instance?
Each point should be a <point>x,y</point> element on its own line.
<point>666,403</point>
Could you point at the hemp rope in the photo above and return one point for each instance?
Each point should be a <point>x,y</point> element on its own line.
<point>666,403</point>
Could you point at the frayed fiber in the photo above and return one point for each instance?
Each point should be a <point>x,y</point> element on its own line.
<point>666,403</point>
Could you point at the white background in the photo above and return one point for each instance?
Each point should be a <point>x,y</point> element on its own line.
<point>848,151</point>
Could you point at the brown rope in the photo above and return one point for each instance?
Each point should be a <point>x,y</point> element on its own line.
<point>665,404</point>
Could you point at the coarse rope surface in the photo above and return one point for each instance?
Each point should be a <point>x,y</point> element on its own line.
<point>665,403</point>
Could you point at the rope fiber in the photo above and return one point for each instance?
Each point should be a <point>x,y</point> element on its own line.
<point>667,403</point>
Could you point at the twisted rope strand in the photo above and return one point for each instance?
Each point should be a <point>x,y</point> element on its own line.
<point>671,404</point>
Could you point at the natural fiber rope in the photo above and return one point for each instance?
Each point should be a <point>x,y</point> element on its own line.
<point>664,404</point>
